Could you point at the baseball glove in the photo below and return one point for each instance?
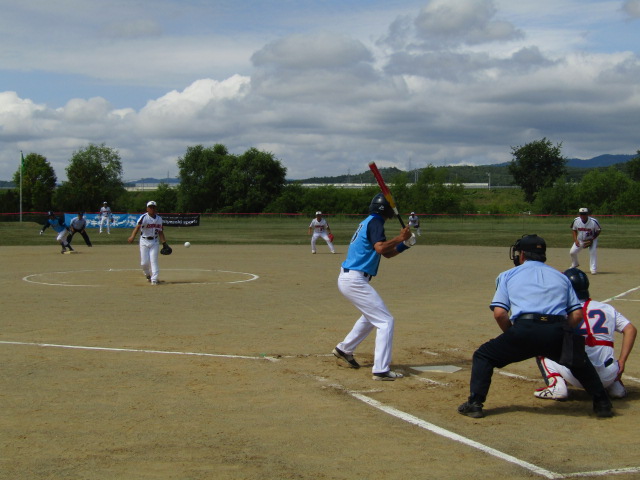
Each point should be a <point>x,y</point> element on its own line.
<point>166,249</point>
<point>587,243</point>
<point>331,237</point>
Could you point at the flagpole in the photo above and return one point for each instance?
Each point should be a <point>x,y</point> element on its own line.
<point>21,168</point>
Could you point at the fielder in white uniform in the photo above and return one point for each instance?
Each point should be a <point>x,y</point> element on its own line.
<point>105,216</point>
<point>414,222</point>
<point>367,245</point>
<point>600,322</point>
<point>319,227</point>
<point>585,230</point>
<point>151,235</point>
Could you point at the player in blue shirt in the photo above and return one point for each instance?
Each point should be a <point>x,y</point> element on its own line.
<point>367,245</point>
<point>542,302</point>
<point>59,226</point>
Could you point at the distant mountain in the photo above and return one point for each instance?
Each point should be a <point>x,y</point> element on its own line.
<point>599,161</point>
<point>595,162</point>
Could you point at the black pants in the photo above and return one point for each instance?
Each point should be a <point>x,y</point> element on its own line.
<point>527,339</point>
<point>84,235</point>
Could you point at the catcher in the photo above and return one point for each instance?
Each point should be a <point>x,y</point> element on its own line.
<point>151,235</point>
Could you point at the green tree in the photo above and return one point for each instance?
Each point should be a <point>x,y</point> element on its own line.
<point>166,198</point>
<point>94,175</point>
<point>253,180</point>
<point>633,168</point>
<point>601,189</point>
<point>201,178</point>
<point>556,200</point>
<point>537,165</point>
<point>38,183</point>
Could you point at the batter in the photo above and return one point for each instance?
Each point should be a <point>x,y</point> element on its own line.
<point>367,245</point>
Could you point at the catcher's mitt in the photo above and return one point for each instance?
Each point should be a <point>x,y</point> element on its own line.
<point>166,249</point>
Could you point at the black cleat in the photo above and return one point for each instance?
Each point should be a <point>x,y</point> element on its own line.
<point>602,409</point>
<point>471,409</point>
<point>346,358</point>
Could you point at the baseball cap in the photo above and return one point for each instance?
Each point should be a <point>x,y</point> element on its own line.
<point>531,243</point>
<point>318,213</point>
<point>151,204</point>
<point>583,210</point>
<point>104,203</point>
<point>413,213</point>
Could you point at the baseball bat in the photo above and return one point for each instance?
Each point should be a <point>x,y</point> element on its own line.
<point>385,190</point>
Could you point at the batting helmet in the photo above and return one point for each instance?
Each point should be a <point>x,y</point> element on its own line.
<point>380,206</point>
<point>579,281</point>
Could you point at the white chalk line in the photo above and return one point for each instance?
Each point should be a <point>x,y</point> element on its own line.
<point>135,350</point>
<point>618,297</point>
<point>472,443</point>
<point>29,278</point>
<point>360,396</point>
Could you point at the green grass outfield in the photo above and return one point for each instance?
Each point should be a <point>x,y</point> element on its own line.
<point>618,231</point>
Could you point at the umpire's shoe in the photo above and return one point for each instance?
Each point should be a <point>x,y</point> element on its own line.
<point>602,408</point>
<point>471,409</point>
<point>346,357</point>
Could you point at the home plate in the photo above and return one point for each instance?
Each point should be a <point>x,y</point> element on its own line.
<point>438,368</point>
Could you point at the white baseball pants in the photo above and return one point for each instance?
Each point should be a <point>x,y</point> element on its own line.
<point>108,220</point>
<point>375,314</point>
<point>325,237</point>
<point>149,250</point>
<point>593,256</point>
<point>607,376</point>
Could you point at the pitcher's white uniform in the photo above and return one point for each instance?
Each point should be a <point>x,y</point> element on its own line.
<point>105,216</point>
<point>319,227</point>
<point>150,229</point>
<point>585,228</point>
<point>602,320</point>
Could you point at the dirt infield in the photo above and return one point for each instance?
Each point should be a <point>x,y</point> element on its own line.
<point>224,371</point>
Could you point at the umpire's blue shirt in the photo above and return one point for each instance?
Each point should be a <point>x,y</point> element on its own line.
<point>534,287</point>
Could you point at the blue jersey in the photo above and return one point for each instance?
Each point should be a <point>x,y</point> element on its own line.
<point>534,287</point>
<point>56,223</point>
<point>362,256</point>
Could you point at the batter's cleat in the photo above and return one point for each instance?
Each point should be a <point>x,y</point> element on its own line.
<point>471,409</point>
<point>389,376</point>
<point>557,390</point>
<point>602,409</point>
<point>346,358</point>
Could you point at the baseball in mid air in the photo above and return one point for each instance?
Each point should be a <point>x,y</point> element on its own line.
<point>187,244</point>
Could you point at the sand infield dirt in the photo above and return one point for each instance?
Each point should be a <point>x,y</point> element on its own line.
<point>224,371</point>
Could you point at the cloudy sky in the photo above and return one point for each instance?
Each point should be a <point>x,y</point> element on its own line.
<point>325,85</point>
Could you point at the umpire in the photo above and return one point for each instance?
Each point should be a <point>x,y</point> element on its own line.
<point>542,302</point>
<point>78,225</point>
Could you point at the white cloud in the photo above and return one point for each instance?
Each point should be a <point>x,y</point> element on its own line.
<point>447,83</point>
<point>632,8</point>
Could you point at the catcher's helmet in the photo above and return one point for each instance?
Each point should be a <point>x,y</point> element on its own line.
<point>380,206</point>
<point>580,282</point>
